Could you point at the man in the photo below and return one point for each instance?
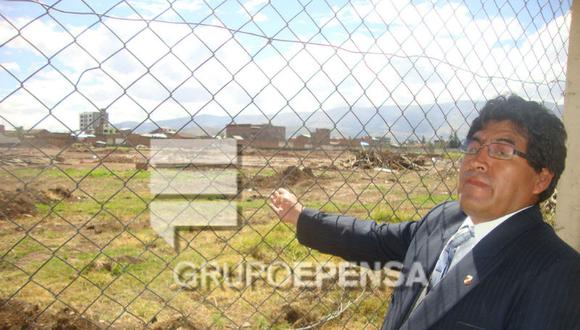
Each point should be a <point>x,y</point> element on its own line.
<point>493,263</point>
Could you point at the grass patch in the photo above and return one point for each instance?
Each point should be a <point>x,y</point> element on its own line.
<point>25,247</point>
<point>330,207</point>
<point>122,205</point>
<point>381,215</point>
<point>219,320</point>
<point>254,203</point>
<point>78,173</point>
<point>64,209</point>
<point>132,269</point>
<point>430,200</point>
<point>453,155</point>
<point>263,172</point>
<point>55,274</point>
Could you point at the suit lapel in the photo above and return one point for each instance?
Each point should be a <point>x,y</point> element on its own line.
<point>445,295</point>
<point>471,270</point>
<point>426,251</point>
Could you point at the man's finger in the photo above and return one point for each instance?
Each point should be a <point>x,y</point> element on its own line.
<point>275,208</point>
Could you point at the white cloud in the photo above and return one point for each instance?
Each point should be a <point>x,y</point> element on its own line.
<point>47,36</point>
<point>99,42</point>
<point>150,8</point>
<point>11,66</point>
<point>259,17</point>
<point>124,30</point>
<point>170,33</point>
<point>428,54</point>
<point>6,32</point>
<point>251,9</point>
<point>188,5</point>
<point>253,5</point>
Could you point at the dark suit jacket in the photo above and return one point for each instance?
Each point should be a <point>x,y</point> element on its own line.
<point>524,275</point>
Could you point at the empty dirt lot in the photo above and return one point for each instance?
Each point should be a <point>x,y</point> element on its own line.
<point>78,250</point>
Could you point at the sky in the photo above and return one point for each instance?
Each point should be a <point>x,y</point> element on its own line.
<point>163,59</point>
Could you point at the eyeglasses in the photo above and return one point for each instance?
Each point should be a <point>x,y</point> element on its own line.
<point>498,150</point>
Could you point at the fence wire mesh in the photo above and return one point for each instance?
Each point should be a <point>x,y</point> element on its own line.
<point>357,107</point>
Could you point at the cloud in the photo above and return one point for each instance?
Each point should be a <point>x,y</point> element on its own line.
<point>11,66</point>
<point>251,10</point>
<point>402,54</point>
<point>7,32</point>
<point>188,5</point>
<point>254,5</point>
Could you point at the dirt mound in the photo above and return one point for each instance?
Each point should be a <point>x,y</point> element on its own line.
<point>67,319</point>
<point>177,323</point>
<point>296,315</point>
<point>16,314</point>
<point>79,147</point>
<point>295,174</point>
<point>290,175</point>
<point>111,265</point>
<point>17,203</point>
<point>122,159</point>
<point>58,193</point>
<point>23,201</point>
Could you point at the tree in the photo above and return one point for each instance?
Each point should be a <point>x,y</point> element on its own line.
<point>19,131</point>
<point>454,141</point>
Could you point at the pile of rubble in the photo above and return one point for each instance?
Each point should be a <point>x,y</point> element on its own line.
<point>368,159</point>
<point>17,160</point>
<point>122,159</point>
<point>80,147</point>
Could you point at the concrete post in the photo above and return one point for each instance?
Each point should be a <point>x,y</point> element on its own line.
<point>568,209</point>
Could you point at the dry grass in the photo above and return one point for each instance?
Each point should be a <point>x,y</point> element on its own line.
<point>95,253</point>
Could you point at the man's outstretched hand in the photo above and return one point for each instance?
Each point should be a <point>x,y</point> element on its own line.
<point>286,205</point>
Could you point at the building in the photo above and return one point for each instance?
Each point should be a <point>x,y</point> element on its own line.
<point>92,121</point>
<point>164,130</point>
<point>96,122</point>
<point>7,141</point>
<point>302,141</point>
<point>377,141</point>
<point>321,137</point>
<point>129,139</point>
<point>45,138</point>
<point>258,136</point>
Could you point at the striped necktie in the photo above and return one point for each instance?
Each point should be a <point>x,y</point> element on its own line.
<point>464,233</point>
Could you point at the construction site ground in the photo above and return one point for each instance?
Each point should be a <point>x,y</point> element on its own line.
<point>78,250</point>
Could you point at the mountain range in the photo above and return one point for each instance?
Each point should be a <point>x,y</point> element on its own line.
<point>401,122</point>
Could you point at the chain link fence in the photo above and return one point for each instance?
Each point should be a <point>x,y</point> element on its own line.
<point>357,107</point>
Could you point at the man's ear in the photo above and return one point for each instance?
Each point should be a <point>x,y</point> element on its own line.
<point>542,180</point>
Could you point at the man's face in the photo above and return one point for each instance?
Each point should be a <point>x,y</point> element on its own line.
<point>490,188</point>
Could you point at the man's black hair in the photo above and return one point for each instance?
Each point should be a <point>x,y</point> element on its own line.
<point>544,131</point>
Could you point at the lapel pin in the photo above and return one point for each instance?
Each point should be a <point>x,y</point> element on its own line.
<point>468,280</point>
